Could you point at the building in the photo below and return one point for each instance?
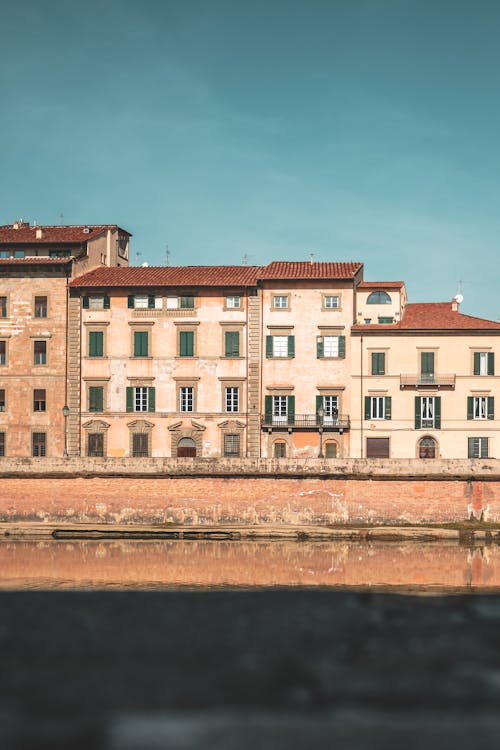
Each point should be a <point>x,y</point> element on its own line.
<point>36,265</point>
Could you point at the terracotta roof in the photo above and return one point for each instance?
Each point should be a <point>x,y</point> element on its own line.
<point>34,260</point>
<point>306,270</point>
<point>381,285</point>
<point>168,276</point>
<point>51,234</point>
<point>432,316</point>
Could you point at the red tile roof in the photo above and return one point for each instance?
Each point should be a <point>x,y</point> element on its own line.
<point>34,260</point>
<point>381,285</point>
<point>306,270</point>
<point>168,276</point>
<point>432,316</point>
<point>51,234</point>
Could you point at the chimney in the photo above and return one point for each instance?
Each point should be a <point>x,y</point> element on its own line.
<point>454,304</point>
<point>39,233</point>
<point>311,258</point>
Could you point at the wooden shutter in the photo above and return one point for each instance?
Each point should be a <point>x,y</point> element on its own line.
<point>96,399</point>
<point>470,407</point>
<point>96,342</point>
<point>107,304</point>
<point>85,302</point>
<point>151,301</point>
<point>418,413</point>
<point>437,412</point>
<point>378,363</point>
<point>269,346</point>
<point>320,348</point>
<point>388,407</point>
<point>130,301</point>
<point>427,363</point>
<point>477,363</point>
<point>186,340</point>
<point>491,407</point>
<point>268,409</point>
<point>291,409</point>
<point>130,398</point>
<point>140,343</point>
<point>342,347</point>
<point>491,363</point>
<point>291,346</point>
<point>319,404</point>
<point>377,447</point>
<point>151,398</point>
<point>471,452</point>
<point>232,340</point>
<point>368,411</point>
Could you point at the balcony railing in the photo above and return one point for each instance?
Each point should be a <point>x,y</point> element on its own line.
<point>307,422</point>
<point>427,381</point>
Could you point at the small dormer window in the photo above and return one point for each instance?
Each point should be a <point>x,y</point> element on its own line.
<point>378,298</point>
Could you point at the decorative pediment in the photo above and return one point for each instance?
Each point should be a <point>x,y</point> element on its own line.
<point>140,424</point>
<point>175,426</point>
<point>197,426</point>
<point>96,425</point>
<point>233,424</point>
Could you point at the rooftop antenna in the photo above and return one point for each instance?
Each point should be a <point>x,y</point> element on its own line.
<point>311,258</point>
<point>137,256</point>
<point>245,258</point>
<point>167,255</point>
<point>61,218</point>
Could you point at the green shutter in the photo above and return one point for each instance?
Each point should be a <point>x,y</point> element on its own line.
<point>291,348</point>
<point>96,398</point>
<point>186,343</point>
<point>268,409</point>
<point>491,363</point>
<point>319,404</point>
<point>320,348</point>
<point>130,398</point>
<point>470,407</point>
<point>291,408</point>
<point>107,304</point>
<point>437,412</point>
<point>269,346</point>
<point>85,302</point>
<point>368,407</point>
<point>388,407</point>
<point>477,363</point>
<point>140,344</point>
<point>232,344</point>
<point>187,303</point>
<point>491,407</point>
<point>374,363</point>
<point>427,363</point>
<point>96,344</point>
<point>342,347</point>
<point>151,301</point>
<point>418,413</point>
<point>130,302</point>
<point>151,398</point>
<point>378,363</point>
<point>470,451</point>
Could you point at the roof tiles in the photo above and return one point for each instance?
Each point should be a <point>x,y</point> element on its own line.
<point>168,276</point>
<point>27,235</point>
<point>306,270</point>
<point>432,316</point>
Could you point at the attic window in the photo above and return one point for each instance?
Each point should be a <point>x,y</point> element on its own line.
<point>378,298</point>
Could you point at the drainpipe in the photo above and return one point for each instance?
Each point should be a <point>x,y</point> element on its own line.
<point>66,355</point>
<point>361,410</point>
<point>247,334</point>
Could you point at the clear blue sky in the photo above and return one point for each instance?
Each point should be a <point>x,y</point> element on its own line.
<point>355,129</point>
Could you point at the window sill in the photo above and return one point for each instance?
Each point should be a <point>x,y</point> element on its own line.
<point>132,356</point>
<point>194,356</point>
<point>330,357</point>
<point>238,357</point>
<point>285,357</point>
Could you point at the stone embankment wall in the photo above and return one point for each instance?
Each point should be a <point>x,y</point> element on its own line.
<point>225,492</point>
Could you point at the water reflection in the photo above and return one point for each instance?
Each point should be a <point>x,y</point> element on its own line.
<point>171,564</point>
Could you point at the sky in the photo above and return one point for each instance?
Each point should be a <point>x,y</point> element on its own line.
<point>233,131</point>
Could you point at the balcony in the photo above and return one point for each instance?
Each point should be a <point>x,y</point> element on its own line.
<point>306,422</point>
<point>446,382</point>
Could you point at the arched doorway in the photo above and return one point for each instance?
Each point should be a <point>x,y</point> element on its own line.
<point>186,448</point>
<point>427,448</point>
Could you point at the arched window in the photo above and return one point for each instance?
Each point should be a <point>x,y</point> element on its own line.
<point>378,298</point>
<point>427,448</point>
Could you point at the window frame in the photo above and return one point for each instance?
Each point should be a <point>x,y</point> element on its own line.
<point>282,297</point>
<point>232,398</point>
<point>329,308</point>
<point>43,307</point>
<point>4,307</point>
<point>42,354</point>
<point>380,299</point>
<point>39,401</point>
<point>481,443</point>
<point>235,297</point>
<point>43,444</point>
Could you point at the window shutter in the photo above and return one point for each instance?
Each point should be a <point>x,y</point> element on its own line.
<point>418,413</point>
<point>319,404</point>
<point>232,344</point>
<point>491,407</point>
<point>427,363</point>
<point>269,346</point>
<point>437,412</point>
<point>491,363</point>
<point>151,301</point>
<point>470,452</point>
<point>320,348</point>
<point>470,407</point>
<point>130,398</point>
<point>96,341</point>
<point>130,301</point>
<point>85,302</point>
<point>96,399</point>
<point>374,363</point>
<point>151,398</point>
<point>367,407</point>
<point>291,348</point>
<point>140,343</point>
<point>341,347</point>
<point>388,407</point>
<point>186,340</point>
<point>381,363</point>
<point>477,365</point>
<point>291,407</point>
<point>268,409</point>
<point>107,304</point>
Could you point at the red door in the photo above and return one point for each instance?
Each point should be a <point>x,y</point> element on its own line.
<point>186,451</point>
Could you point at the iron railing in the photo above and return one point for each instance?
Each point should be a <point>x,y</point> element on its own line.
<point>427,381</point>
<point>306,422</point>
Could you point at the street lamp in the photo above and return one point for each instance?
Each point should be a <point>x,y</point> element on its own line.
<point>65,411</point>
<point>321,415</point>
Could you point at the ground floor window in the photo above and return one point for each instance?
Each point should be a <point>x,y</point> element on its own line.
<point>377,447</point>
<point>39,444</point>
<point>140,444</point>
<point>279,449</point>
<point>231,446</point>
<point>478,447</point>
<point>331,449</point>
<point>427,448</point>
<point>95,445</point>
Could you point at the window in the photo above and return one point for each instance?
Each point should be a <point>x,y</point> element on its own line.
<point>140,444</point>
<point>122,245</point>
<point>39,399</point>
<point>427,448</point>
<point>279,410</point>
<point>484,363</point>
<point>19,253</point>
<point>428,412</point>
<point>96,398</point>
<point>186,398</point>
<point>377,447</point>
<point>478,447</point>
<point>378,407</point>
<point>59,253</point>
<point>141,398</point>
<point>3,352</point>
<point>378,363</point>
<point>96,343</point>
<point>385,320</point>
<point>232,343</point>
<point>367,321</point>
<point>96,302</point>
<point>2,444</point>
<point>427,367</point>
<point>40,352</point>
<point>480,407</point>
<point>232,399</point>
<point>280,346</point>
<point>187,302</point>
<point>328,347</point>
<point>331,449</point>
<point>2,399</point>
<point>330,406</point>
<point>279,449</point>
<point>186,344</point>
<point>280,301</point>
<point>3,307</point>
<point>141,344</point>
<point>40,307</point>
<point>231,445</point>
<point>4,253</point>
<point>95,444</point>
<point>233,301</point>
<point>331,302</point>
<point>39,444</point>
<point>172,303</point>
<point>378,298</point>
<point>145,302</point>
